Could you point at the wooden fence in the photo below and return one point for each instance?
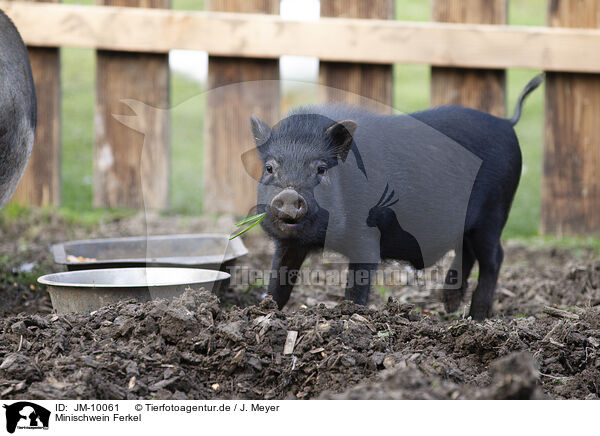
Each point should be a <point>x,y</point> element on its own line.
<point>468,45</point>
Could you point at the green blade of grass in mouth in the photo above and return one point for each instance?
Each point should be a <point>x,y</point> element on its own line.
<point>251,220</point>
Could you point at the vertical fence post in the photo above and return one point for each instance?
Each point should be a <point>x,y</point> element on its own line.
<point>40,185</point>
<point>228,111</point>
<point>118,149</point>
<point>357,81</point>
<point>477,88</point>
<point>571,177</point>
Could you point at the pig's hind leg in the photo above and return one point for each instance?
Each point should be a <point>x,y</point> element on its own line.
<point>489,254</point>
<point>459,272</point>
<point>360,278</point>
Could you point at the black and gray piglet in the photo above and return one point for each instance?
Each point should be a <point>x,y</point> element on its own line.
<point>407,187</point>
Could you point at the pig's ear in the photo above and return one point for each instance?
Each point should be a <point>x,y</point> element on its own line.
<point>253,163</point>
<point>260,130</point>
<point>341,134</point>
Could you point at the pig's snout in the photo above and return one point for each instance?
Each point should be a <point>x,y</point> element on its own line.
<point>288,206</point>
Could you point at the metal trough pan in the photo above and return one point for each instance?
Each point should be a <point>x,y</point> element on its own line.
<point>208,251</point>
<point>85,291</point>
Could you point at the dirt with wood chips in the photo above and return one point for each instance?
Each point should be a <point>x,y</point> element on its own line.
<point>542,342</point>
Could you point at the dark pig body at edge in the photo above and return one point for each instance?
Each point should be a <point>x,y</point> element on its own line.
<point>18,108</point>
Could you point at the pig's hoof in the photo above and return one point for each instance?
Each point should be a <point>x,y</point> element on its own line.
<point>452,299</point>
<point>479,314</point>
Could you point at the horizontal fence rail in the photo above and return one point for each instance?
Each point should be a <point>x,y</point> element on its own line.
<point>467,44</point>
<point>268,36</point>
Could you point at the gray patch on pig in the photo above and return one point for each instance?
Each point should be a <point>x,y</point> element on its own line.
<point>427,176</point>
<point>431,175</point>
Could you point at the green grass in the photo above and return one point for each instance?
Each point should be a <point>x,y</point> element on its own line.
<point>525,214</point>
<point>411,92</point>
<point>77,77</point>
<point>187,140</point>
<point>14,212</point>
<point>383,291</point>
<point>188,5</point>
<point>579,246</point>
<point>78,96</point>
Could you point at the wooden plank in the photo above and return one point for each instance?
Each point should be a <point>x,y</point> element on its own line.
<point>40,185</point>
<point>230,102</point>
<point>120,153</point>
<point>480,89</point>
<point>361,84</point>
<point>348,40</point>
<point>571,177</point>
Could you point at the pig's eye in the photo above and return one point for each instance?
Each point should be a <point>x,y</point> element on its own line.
<point>269,169</point>
<point>321,170</point>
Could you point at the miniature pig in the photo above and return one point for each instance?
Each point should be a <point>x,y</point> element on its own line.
<point>406,187</point>
<point>18,109</point>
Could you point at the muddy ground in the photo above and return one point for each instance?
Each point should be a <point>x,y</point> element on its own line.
<point>542,342</point>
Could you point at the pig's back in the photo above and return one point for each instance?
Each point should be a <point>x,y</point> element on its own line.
<point>494,141</point>
<point>488,137</point>
<point>450,167</point>
<point>491,139</point>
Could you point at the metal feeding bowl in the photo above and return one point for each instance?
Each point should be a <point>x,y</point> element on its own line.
<point>88,290</point>
<point>208,251</point>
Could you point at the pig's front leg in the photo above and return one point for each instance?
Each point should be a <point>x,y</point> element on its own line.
<point>360,278</point>
<point>284,272</point>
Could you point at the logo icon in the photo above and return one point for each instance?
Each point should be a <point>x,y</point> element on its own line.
<point>26,415</point>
